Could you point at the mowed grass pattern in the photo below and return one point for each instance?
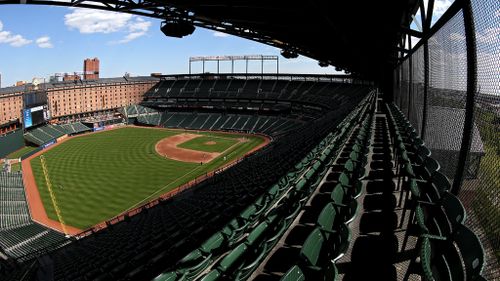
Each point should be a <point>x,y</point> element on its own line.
<point>99,176</point>
<point>200,144</point>
<point>20,152</point>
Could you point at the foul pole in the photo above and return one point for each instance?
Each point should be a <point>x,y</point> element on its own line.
<point>52,194</point>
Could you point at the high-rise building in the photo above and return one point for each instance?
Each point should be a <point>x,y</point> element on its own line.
<point>91,69</point>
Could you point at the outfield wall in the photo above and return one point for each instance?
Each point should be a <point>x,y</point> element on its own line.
<point>11,142</point>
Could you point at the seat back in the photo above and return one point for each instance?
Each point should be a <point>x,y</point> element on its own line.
<point>430,167</point>
<point>349,166</point>
<point>454,209</point>
<point>213,243</point>
<point>440,185</point>
<point>311,249</point>
<point>327,218</point>
<point>338,194</point>
<point>471,250</point>
<point>293,274</point>
<point>344,179</point>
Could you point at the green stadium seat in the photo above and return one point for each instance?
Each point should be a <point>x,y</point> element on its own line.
<point>229,261</point>
<point>471,251</point>
<point>311,250</point>
<point>293,274</point>
<point>328,220</point>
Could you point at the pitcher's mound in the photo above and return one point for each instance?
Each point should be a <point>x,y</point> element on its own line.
<point>167,147</point>
<point>210,143</point>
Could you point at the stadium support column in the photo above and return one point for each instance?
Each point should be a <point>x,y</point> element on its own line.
<point>262,67</point>
<point>426,24</point>
<point>470,41</point>
<point>410,78</point>
<point>277,66</point>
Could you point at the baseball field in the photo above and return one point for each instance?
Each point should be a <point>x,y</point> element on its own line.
<point>97,176</point>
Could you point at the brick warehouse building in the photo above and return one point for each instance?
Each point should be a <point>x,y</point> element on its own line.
<point>70,97</point>
<point>91,69</point>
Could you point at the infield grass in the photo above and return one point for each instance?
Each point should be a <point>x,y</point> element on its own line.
<point>98,176</point>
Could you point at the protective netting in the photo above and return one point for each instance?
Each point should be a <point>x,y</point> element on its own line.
<point>446,113</point>
<point>404,86</point>
<point>447,94</point>
<point>481,194</point>
<point>417,93</point>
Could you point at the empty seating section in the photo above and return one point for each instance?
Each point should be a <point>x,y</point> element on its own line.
<point>225,225</point>
<point>216,121</point>
<point>151,119</point>
<point>13,207</point>
<point>74,128</point>
<point>448,250</point>
<point>136,110</point>
<point>329,94</point>
<point>47,133</point>
<point>19,236</point>
<point>289,212</point>
<point>239,247</point>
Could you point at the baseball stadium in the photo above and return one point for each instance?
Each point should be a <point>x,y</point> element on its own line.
<point>389,170</point>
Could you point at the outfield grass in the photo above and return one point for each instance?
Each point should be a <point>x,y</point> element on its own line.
<point>20,152</point>
<point>199,144</point>
<point>98,176</point>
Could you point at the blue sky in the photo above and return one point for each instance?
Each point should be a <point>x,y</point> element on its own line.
<point>37,41</point>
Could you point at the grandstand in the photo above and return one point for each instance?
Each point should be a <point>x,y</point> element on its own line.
<point>20,237</point>
<point>48,133</point>
<point>268,125</point>
<point>388,173</point>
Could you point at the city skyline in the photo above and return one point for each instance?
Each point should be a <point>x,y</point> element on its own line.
<point>124,43</point>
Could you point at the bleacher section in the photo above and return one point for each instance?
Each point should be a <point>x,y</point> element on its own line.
<point>13,207</point>
<point>19,236</point>
<point>74,128</point>
<point>354,195</point>
<point>144,245</point>
<point>322,93</point>
<point>269,125</point>
<point>47,133</point>
<point>136,110</point>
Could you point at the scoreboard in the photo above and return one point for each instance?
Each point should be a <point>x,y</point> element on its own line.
<point>35,115</point>
<point>35,109</point>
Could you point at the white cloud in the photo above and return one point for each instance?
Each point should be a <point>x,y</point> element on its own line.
<point>92,21</point>
<point>44,42</point>
<point>220,34</point>
<point>89,21</point>
<point>6,37</point>
<point>440,6</point>
<point>130,37</point>
<point>139,25</point>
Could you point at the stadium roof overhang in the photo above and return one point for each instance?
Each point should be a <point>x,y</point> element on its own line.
<point>356,35</point>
